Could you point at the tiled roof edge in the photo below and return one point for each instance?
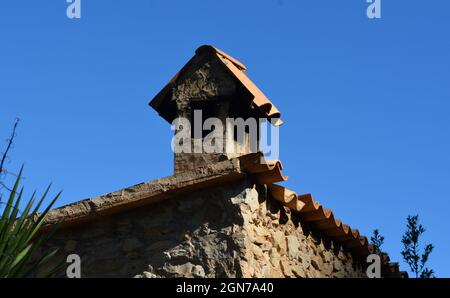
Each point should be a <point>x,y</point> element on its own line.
<point>320,219</point>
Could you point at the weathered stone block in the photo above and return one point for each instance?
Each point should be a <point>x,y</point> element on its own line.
<point>293,247</point>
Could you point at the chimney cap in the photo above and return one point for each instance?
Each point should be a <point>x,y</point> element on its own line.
<point>237,69</point>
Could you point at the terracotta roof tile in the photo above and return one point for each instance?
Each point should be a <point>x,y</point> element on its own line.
<point>226,56</point>
<point>265,171</point>
<point>259,99</point>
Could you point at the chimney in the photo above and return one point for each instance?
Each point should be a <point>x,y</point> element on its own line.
<point>214,86</point>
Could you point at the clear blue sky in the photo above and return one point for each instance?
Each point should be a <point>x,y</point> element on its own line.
<point>366,103</point>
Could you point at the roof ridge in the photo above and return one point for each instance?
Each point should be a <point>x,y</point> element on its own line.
<point>236,62</point>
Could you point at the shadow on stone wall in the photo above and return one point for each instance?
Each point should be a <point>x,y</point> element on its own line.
<point>195,235</point>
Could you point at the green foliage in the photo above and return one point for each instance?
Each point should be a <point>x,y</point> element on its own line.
<point>19,237</point>
<point>377,240</point>
<point>411,250</point>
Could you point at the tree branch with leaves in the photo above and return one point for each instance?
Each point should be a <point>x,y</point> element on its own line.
<point>4,156</point>
<point>377,240</point>
<point>411,252</point>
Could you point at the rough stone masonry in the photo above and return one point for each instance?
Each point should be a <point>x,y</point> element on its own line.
<point>231,230</point>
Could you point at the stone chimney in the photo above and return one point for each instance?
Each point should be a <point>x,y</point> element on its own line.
<point>213,85</point>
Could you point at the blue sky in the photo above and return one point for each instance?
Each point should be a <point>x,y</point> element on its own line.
<point>366,103</point>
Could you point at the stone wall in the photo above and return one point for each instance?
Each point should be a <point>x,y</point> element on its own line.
<point>279,245</point>
<point>227,231</point>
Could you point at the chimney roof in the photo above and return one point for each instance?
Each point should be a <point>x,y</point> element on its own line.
<point>237,69</point>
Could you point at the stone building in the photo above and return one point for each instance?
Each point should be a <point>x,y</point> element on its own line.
<point>220,214</point>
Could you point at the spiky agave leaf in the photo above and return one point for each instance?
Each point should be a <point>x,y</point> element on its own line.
<point>19,238</point>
